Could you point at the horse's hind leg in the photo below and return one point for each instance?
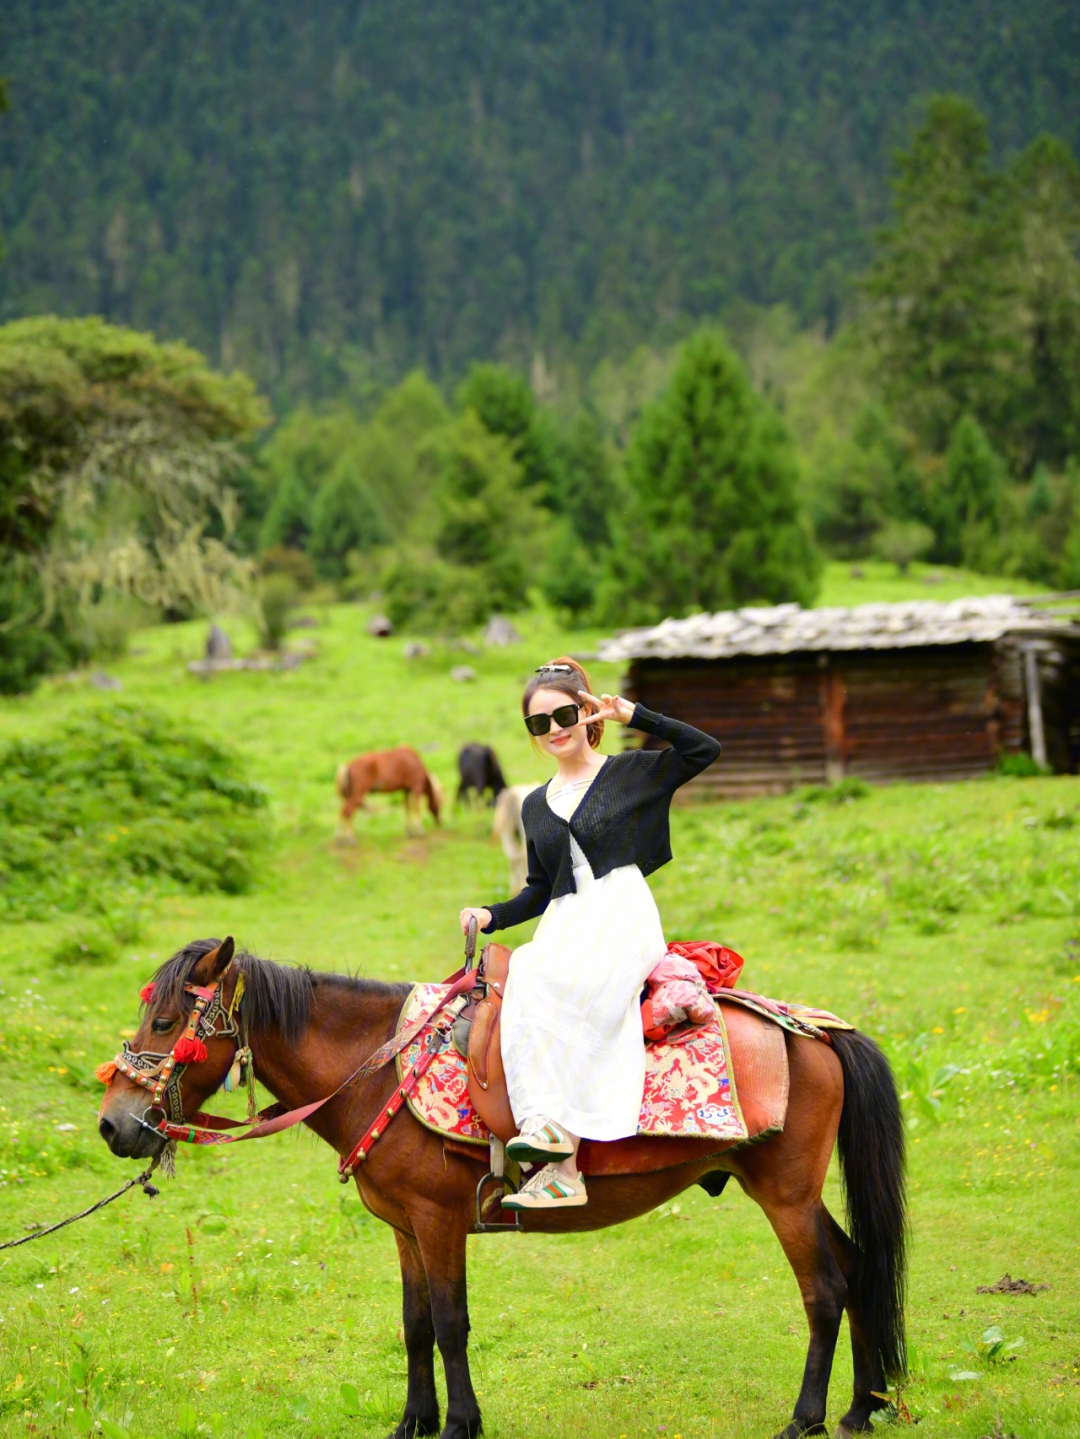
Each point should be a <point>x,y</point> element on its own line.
<point>421,1403</point>
<point>786,1177</point>
<point>442,1245</point>
<point>805,1241</point>
<point>869,1379</point>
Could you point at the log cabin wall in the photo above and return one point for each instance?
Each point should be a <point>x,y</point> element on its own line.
<point>765,711</point>
<point>936,712</point>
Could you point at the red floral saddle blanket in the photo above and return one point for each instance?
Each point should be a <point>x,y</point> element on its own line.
<point>689,1091</point>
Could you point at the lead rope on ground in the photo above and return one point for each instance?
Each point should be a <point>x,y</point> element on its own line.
<point>149,1190</point>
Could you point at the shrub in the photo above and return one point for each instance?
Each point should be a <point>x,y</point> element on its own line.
<point>430,596</point>
<point>278,560</point>
<point>1020,766</point>
<point>122,797</point>
<point>842,792</point>
<point>89,946</point>
<point>278,597</point>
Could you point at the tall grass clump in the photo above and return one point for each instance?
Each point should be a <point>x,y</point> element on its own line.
<point>122,797</point>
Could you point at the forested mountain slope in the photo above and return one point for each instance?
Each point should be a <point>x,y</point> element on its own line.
<point>340,189</point>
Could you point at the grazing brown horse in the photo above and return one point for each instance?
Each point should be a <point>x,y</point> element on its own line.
<point>308,1032</point>
<point>386,771</point>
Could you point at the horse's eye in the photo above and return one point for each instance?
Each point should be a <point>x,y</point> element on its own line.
<point>162,1025</point>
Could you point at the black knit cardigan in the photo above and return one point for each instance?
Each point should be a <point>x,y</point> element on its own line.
<point>622,819</point>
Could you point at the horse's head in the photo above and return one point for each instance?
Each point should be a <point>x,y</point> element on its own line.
<point>183,1050</point>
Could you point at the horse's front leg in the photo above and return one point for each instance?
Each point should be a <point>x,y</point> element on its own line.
<point>441,1236</point>
<point>421,1402</point>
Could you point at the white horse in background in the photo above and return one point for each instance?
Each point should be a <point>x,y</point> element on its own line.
<point>508,830</point>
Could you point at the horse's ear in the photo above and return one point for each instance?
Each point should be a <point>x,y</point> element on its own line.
<point>213,965</point>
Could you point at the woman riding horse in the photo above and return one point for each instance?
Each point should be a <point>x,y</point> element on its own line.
<point>572,1043</point>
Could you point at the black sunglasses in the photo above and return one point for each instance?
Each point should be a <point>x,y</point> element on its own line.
<point>565,716</point>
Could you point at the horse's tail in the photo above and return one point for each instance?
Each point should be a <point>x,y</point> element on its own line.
<point>343,780</point>
<point>434,791</point>
<point>871,1143</point>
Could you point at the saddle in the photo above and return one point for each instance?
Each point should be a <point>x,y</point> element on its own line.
<point>757,1060</point>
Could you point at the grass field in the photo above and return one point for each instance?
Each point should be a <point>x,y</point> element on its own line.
<point>943,919</point>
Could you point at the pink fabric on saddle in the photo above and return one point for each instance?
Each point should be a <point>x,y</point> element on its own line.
<point>678,993</point>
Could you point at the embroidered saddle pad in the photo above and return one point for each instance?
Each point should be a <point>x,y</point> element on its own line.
<point>696,1099</point>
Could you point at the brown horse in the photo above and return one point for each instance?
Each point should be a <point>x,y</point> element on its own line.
<point>386,771</point>
<point>308,1032</point>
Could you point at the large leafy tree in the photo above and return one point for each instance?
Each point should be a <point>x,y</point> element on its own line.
<point>944,279</point>
<point>116,457</point>
<point>712,519</point>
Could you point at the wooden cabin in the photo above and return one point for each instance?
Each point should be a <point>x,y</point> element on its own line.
<point>918,691</point>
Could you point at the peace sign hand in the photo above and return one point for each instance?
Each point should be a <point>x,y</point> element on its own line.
<point>609,707</point>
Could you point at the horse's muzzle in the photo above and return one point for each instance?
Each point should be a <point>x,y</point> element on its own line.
<point>129,1137</point>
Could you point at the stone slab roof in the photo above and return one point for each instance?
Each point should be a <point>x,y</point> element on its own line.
<point>786,629</point>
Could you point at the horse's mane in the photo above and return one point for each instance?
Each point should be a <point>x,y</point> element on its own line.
<point>275,995</point>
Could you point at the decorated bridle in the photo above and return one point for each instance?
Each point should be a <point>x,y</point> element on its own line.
<point>161,1074</point>
<point>210,1018</point>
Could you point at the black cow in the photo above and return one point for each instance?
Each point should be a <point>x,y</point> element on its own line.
<point>479,771</point>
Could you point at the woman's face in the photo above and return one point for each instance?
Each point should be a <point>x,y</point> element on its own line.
<point>560,743</point>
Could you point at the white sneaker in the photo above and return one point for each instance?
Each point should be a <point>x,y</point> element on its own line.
<point>548,1190</point>
<point>540,1141</point>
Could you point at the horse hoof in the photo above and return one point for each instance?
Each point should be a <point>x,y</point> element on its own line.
<point>796,1431</point>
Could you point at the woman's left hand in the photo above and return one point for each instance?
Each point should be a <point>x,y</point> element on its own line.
<point>608,707</point>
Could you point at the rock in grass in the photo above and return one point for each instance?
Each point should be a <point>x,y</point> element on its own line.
<point>218,644</point>
<point>380,626</point>
<point>499,631</point>
<point>462,673</point>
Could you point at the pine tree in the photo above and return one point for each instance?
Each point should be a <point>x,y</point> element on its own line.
<point>944,280</point>
<point>712,517</point>
<point>506,407</point>
<point>344,518</point>
<point>486,516</point>
<point>1044,409</point>
<point>589,494</point>
<point>966,503</point>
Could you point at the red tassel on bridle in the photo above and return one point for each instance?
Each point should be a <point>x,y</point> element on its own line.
<point>146,994</point>
<point>105,1072</point>
<point>190,1051</point>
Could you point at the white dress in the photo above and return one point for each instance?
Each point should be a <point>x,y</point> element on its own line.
<point>572,1045</point>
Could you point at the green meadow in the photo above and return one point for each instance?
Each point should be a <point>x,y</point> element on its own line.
<point>943,919</point>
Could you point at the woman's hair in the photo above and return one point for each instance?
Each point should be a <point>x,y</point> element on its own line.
<point>550,678</point>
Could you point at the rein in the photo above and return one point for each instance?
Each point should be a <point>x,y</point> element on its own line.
<point>161,1074</point>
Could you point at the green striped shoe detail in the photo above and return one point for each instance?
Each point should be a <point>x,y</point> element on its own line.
<point>537,1145</point>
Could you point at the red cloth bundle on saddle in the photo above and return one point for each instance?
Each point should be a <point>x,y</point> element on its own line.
<point>678,993</point>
